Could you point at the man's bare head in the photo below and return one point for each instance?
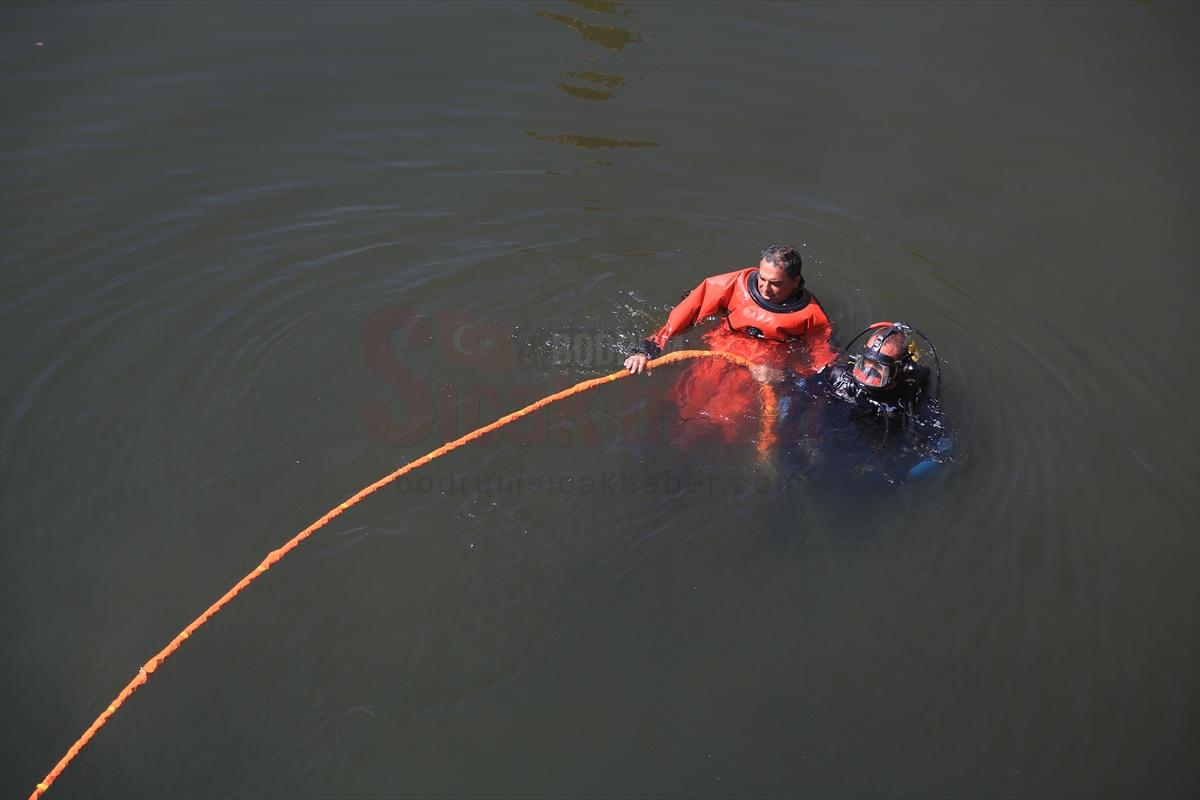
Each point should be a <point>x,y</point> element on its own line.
<point>779,273</point>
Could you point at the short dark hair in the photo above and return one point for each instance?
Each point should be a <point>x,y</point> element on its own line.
<point>782,255</point>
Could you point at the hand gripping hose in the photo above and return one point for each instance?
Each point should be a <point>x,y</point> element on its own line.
<point>146,670</point>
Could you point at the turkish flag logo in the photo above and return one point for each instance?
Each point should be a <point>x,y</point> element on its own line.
<point>482,345</point>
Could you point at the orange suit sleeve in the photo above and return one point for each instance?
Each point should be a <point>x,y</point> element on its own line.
<point>710,297</point>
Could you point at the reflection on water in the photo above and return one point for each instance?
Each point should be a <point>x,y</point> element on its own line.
<point>589,142</point>
<point>610,82</point>
<point>603,84</point>
<point>596,202</point>
<point>1149,5</point>
<point>614,38</point>
<point>609,36</point>
<point>604,7</point>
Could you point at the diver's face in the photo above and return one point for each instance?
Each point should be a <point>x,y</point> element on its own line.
<point>773,282</point>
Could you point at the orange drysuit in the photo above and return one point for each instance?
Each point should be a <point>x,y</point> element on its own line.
<point>715,400</point>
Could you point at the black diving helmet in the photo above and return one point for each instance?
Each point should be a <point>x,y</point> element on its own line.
<point>878,371</point>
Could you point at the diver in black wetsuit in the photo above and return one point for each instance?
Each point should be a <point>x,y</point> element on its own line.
<point>870,416</point>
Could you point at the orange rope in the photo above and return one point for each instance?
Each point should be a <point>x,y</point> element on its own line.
<point>766,432</point>
<point>144,672</point>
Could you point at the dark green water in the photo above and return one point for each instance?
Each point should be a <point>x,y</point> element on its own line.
<point>212,212</point>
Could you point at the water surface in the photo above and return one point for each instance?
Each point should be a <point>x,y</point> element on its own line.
<point>214,213</point>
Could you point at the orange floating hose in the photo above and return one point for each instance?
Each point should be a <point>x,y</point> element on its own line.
<point>144,672</point>
<point>766,432</point>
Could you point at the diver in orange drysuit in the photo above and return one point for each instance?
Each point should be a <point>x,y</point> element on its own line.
<point>769,318</point>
